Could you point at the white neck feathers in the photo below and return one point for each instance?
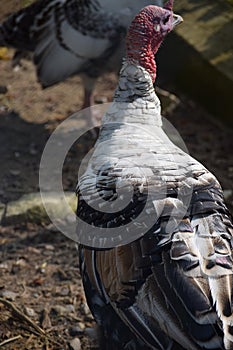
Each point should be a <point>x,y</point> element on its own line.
<point>135,100</point>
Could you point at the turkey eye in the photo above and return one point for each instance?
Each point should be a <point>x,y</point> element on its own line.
<point>157,27</point>
<point>166,20</point>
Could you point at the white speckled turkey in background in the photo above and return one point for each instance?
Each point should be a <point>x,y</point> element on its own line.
<point>68,37</point>
<point>168,285</point>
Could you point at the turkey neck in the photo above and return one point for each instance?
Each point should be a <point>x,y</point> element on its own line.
<point>141,44</point>
<point>135,101</point>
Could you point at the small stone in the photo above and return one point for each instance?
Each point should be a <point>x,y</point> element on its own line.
<point>49,247</point>
<point>33,250</point>
<point>16,68</point>
<point>59,309</point>
<point>21,262</point>
<point>75,344</point>
<point>81,325</point>
<point>64,291</point>
<point>84,309</point>
<point>29,312</point>
<point>7,294</point>
<point>63,310</point>
<point>70,308</point>
<point>3,266</point>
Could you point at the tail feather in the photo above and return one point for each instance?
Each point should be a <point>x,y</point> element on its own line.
<point>214,240</point>
<point>204,272</point>
<point>221,290</point>
<point>194,308</point>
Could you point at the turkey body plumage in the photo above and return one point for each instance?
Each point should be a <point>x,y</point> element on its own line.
<point>157,272</point>
<point>174,284</point>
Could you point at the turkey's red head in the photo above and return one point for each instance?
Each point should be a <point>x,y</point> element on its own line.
<point>146,33</point>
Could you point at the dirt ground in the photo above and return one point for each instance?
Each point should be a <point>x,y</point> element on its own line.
<point>42,305</point>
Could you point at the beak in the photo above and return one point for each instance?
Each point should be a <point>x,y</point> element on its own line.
<point>176,20</point>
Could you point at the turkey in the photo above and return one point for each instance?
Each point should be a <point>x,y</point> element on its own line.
<point>156,265</point>
<point>68,37</point>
